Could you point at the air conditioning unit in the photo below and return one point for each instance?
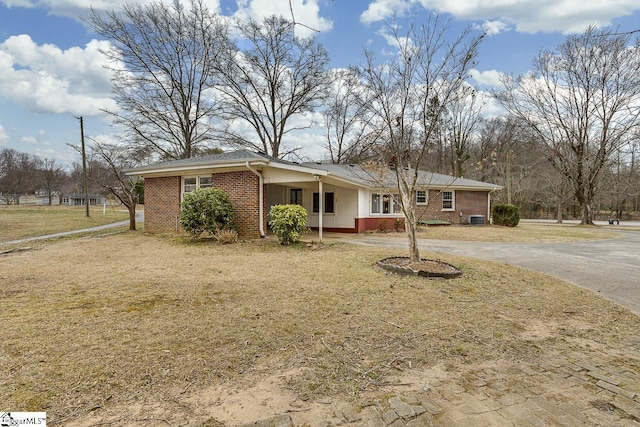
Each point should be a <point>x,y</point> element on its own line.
<point>476,219</point>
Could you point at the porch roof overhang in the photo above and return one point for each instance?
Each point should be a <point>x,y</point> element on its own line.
<point>195,169</point>
<point>224,162</point>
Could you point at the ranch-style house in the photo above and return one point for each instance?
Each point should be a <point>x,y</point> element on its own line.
<point>338,198</point>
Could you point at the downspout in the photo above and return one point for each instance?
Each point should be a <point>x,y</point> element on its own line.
<point>320,207</point>
<point>261,196</point>
<point>489,205</point>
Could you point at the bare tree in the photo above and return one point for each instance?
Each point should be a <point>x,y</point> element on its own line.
<point>349,136</point>
<point>581,100</point>
<point>277,78</point>
<point>163,59</point>
<point>620,180</point>
<point>17,173</point>
<point>507,153</point>
<point>51,176</point>
<point>428,66</point>
<point>106,170</point>
<point>462,118</point>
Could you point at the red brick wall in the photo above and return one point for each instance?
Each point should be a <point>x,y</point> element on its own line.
<point>467,202</point>
<point>162,204</point>
<point>243,190</point>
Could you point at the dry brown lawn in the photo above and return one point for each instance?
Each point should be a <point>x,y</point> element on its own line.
<point>525,232</point>
<point>18,222</point>
<point>96,327</point>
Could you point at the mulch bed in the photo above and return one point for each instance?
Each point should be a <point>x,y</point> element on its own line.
<point>422,268</point>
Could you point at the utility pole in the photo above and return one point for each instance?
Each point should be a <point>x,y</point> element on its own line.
<point>84,169</point>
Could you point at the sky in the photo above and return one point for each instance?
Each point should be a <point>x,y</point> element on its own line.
<point>52,71</point>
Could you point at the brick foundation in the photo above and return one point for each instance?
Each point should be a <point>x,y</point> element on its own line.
<point>378,224</point>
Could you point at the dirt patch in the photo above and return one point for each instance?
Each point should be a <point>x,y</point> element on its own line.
<point>264,398</point>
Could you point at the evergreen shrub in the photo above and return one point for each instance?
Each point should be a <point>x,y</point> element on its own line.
<point>206,210</point>
<point>506,214</point>
<point>288,222</point>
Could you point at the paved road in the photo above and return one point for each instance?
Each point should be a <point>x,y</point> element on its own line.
<point>608,267</point>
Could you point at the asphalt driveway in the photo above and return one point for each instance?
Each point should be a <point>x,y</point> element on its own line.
<point>610,268</point>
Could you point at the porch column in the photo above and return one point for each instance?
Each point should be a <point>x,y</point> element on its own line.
<point>320,208</point>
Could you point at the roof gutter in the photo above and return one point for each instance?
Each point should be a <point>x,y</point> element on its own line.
<point>190,167</point>
<point>261,196</point>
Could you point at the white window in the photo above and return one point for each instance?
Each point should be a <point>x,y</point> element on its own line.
<point>385,203</point>
<point>375,203</point>
<point>448,201</point>
<point>190,183</point>
<point>421,197</point>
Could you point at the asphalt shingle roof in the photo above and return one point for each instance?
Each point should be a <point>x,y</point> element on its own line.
<point>357,174</point>
<point>353,173</point>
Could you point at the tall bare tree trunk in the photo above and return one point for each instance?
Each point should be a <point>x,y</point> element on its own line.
<point>132,217</point>
<point>412,231</point>
<point>560,209</point>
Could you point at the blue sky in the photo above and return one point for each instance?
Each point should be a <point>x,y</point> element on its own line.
<point>51,70</point>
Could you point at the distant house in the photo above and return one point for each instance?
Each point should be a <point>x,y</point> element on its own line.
<point>341,198</point>
<point>79,199</point>
<point>42,198</point>
<point>25,199</point>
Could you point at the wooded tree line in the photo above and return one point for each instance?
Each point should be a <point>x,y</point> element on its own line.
<point>23,173</point>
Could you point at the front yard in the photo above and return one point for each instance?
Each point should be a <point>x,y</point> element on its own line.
<point>111,327</point>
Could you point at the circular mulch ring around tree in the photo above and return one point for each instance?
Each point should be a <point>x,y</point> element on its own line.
<point>422,268</point>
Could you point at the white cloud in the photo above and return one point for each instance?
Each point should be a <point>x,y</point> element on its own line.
<point>32,140</point>
<point>492,28</point>
<point>4,138</point>
<point>45,78</point>
<point>380,10</point>
<point>529,16</point>
<point>491,107</point>
<point>487,78</point>
<point>305,12</point>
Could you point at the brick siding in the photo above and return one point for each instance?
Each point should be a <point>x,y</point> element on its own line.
<point>162,204</point>
<point>467,202</point>
<point>243,190</point>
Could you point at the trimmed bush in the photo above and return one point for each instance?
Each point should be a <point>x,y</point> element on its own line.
<point>205,210</point>
<point>288,222</point>
<point>505,214</point>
